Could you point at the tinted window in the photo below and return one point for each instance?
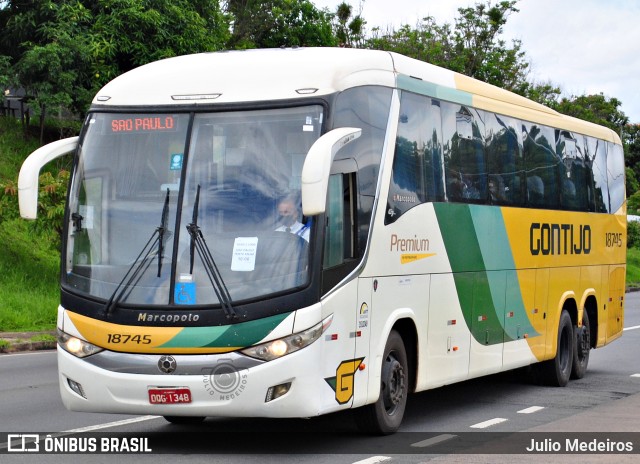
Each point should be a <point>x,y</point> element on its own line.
<point>417,165</point>
<point>597,155</point>
<point>615,175</point>
<point>542,166</point>
<point>505,164</point>
<point>574,172</point>
<point>463,149</point>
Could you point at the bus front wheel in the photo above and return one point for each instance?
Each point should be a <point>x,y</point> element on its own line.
<point>385,415</point>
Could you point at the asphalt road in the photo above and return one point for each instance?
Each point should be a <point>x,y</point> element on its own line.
<point>606,400</point>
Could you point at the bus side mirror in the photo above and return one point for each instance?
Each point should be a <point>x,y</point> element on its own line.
<point>317,167</point>
<point>30,172</point>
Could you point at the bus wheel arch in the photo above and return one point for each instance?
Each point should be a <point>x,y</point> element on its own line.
<point>397,379</point>
<point>591,309</point>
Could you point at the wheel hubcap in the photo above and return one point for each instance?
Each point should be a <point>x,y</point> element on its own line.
<point>584,341</point>
<point>393,384</point>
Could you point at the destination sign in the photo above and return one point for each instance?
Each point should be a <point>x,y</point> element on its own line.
<point>143,124</point>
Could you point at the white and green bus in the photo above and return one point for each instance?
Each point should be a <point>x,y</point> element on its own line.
<point>294,232</point>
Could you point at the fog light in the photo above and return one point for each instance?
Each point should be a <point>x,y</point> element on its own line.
<point>277,391</point>
<point>76,387</point>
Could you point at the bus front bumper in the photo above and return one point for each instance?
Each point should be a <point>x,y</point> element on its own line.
<point>218,389</point>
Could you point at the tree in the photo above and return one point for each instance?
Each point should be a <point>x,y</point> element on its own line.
<point>64,50</point>
<point>472,46</point>
<point>595,108</point>
<point>129,33</point>
<point>349,28</point>
<point>278,23</point>
<point>631,140</point>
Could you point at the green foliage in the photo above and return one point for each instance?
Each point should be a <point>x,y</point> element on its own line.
<point>633,234</point>
<point>631,140</point>
<point>29,261</point>
<point>595,108</point>
<point>632,182</point>
<point>63,51</point>
<point>6,73</point>
<point>472,46</point>
<point>278,23</point>
<point>129,33</point>
<point>349,28</point>
<point>43,338</point>
<point>13,148</point>
<point>633,267</point>
<point>29,285</point>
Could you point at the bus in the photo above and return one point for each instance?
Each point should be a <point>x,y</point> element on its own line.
<point>294,232</point>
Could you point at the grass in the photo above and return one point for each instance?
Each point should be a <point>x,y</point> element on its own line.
<point>13,147</point>
<point>29,260</point>
<point>43,338</point>
<point>633,268</point>
<point>29,285</point>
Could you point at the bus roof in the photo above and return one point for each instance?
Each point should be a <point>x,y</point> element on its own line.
<point>281,74</point>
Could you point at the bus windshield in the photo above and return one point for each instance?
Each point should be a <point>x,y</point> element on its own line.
<point>159,202</point>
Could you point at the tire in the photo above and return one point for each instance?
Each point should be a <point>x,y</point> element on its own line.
<point>582,346</point>
<point>385,415</point>
<point>184,420</point>
<point>557,371</point>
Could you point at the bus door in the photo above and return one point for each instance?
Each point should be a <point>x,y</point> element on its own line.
<point>346,355</point>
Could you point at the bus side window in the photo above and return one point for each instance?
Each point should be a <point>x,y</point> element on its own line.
<point>597,156</point>
<point>505,165</point>
<point>574,178</point>
<point>542,166</point>
<point>615,175</point>
<point>463,149</point>
<point>417,163</point>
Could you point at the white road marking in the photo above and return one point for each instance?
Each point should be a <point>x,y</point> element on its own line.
<point>531,410</point>
<point>107,425</point>
<point>631,328</point>
<point>90,428</point>
<point>635,375</point>
<point>373,460</point>
<point>433,440</point>
<point>489,423</point>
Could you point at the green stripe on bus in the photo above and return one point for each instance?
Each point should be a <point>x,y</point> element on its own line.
<point>237,335</point>
<point>484,272</point>
<point>496,254</point>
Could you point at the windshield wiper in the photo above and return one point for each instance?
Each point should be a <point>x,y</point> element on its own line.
<point>161,231</point>
<point>142,261</point>
<point>199,244</point>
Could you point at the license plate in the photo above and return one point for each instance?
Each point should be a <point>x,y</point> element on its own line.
<point>169,395</point>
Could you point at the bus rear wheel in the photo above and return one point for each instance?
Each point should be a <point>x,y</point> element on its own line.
<point>581,349</point>
<point>385,415</point>
<point>557,371</point>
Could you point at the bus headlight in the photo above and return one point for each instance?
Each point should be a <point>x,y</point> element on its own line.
<point>282,346</point>
<point>76,346</point>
